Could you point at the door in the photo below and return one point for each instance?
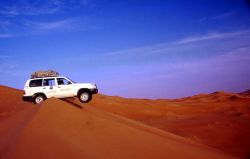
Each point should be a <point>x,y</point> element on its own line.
<point>64,88</point>
<point>49,87</point>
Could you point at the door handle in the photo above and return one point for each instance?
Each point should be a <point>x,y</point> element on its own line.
<point>44,87</point>
<point>59,87</point>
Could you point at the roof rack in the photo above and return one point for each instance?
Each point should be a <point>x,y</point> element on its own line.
<point>41,74</point>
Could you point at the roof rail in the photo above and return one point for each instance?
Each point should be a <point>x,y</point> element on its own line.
<point>43,77</point>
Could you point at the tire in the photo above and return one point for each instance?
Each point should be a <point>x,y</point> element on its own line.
<point>85,96</point>
<point>38,99</point>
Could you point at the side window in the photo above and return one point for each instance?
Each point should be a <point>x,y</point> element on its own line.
<point>63,81</point>
<point>49,82</point>
<point>36,83</point>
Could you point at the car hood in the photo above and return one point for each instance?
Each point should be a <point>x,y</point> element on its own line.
<point>85,85</point>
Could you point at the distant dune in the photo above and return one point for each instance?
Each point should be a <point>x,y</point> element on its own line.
<point>245,94</point>
<point>193,127</point>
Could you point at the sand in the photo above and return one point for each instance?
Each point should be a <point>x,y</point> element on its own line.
<point>119,128</point>
<point>14,115</point>
<point>220,120</point>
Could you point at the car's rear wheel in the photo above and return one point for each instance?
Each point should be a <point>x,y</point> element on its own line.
<point>85,96</point>
<point>38,99</point>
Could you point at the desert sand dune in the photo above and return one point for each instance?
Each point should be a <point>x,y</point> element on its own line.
<point>103,128</point>
<point>60,130</point>
<point>220,120</point>
<point>14,115</point>
<point>246,93</point>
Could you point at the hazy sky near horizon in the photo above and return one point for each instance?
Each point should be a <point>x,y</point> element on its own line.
<point>129,48</point>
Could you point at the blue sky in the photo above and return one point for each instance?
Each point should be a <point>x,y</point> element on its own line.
<point>139,49</point>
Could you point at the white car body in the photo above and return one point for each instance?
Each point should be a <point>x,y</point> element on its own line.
<point>50,87</point>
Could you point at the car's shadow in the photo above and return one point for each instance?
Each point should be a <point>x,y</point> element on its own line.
<point>71,102</point>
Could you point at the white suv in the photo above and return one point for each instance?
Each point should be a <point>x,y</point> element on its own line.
<point>39,89</point>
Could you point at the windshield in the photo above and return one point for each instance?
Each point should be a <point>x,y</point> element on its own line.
<point>71,80</point>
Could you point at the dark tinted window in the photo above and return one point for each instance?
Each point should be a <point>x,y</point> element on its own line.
<point>49,82</point>
<point>36,83</point>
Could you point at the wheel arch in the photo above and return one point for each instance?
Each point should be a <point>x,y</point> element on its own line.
<point>83,90</point>
<point>40,93</point>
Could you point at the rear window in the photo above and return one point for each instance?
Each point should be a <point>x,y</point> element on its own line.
<point>36,83</point>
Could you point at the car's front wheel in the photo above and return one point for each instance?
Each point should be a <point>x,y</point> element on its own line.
<point>85,96</point>
<point>38,99</point>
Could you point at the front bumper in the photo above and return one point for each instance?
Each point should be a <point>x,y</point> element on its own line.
<point>94,91</point>
<point>27,98</point>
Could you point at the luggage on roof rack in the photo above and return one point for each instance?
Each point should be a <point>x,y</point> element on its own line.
<point>40,74</point>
